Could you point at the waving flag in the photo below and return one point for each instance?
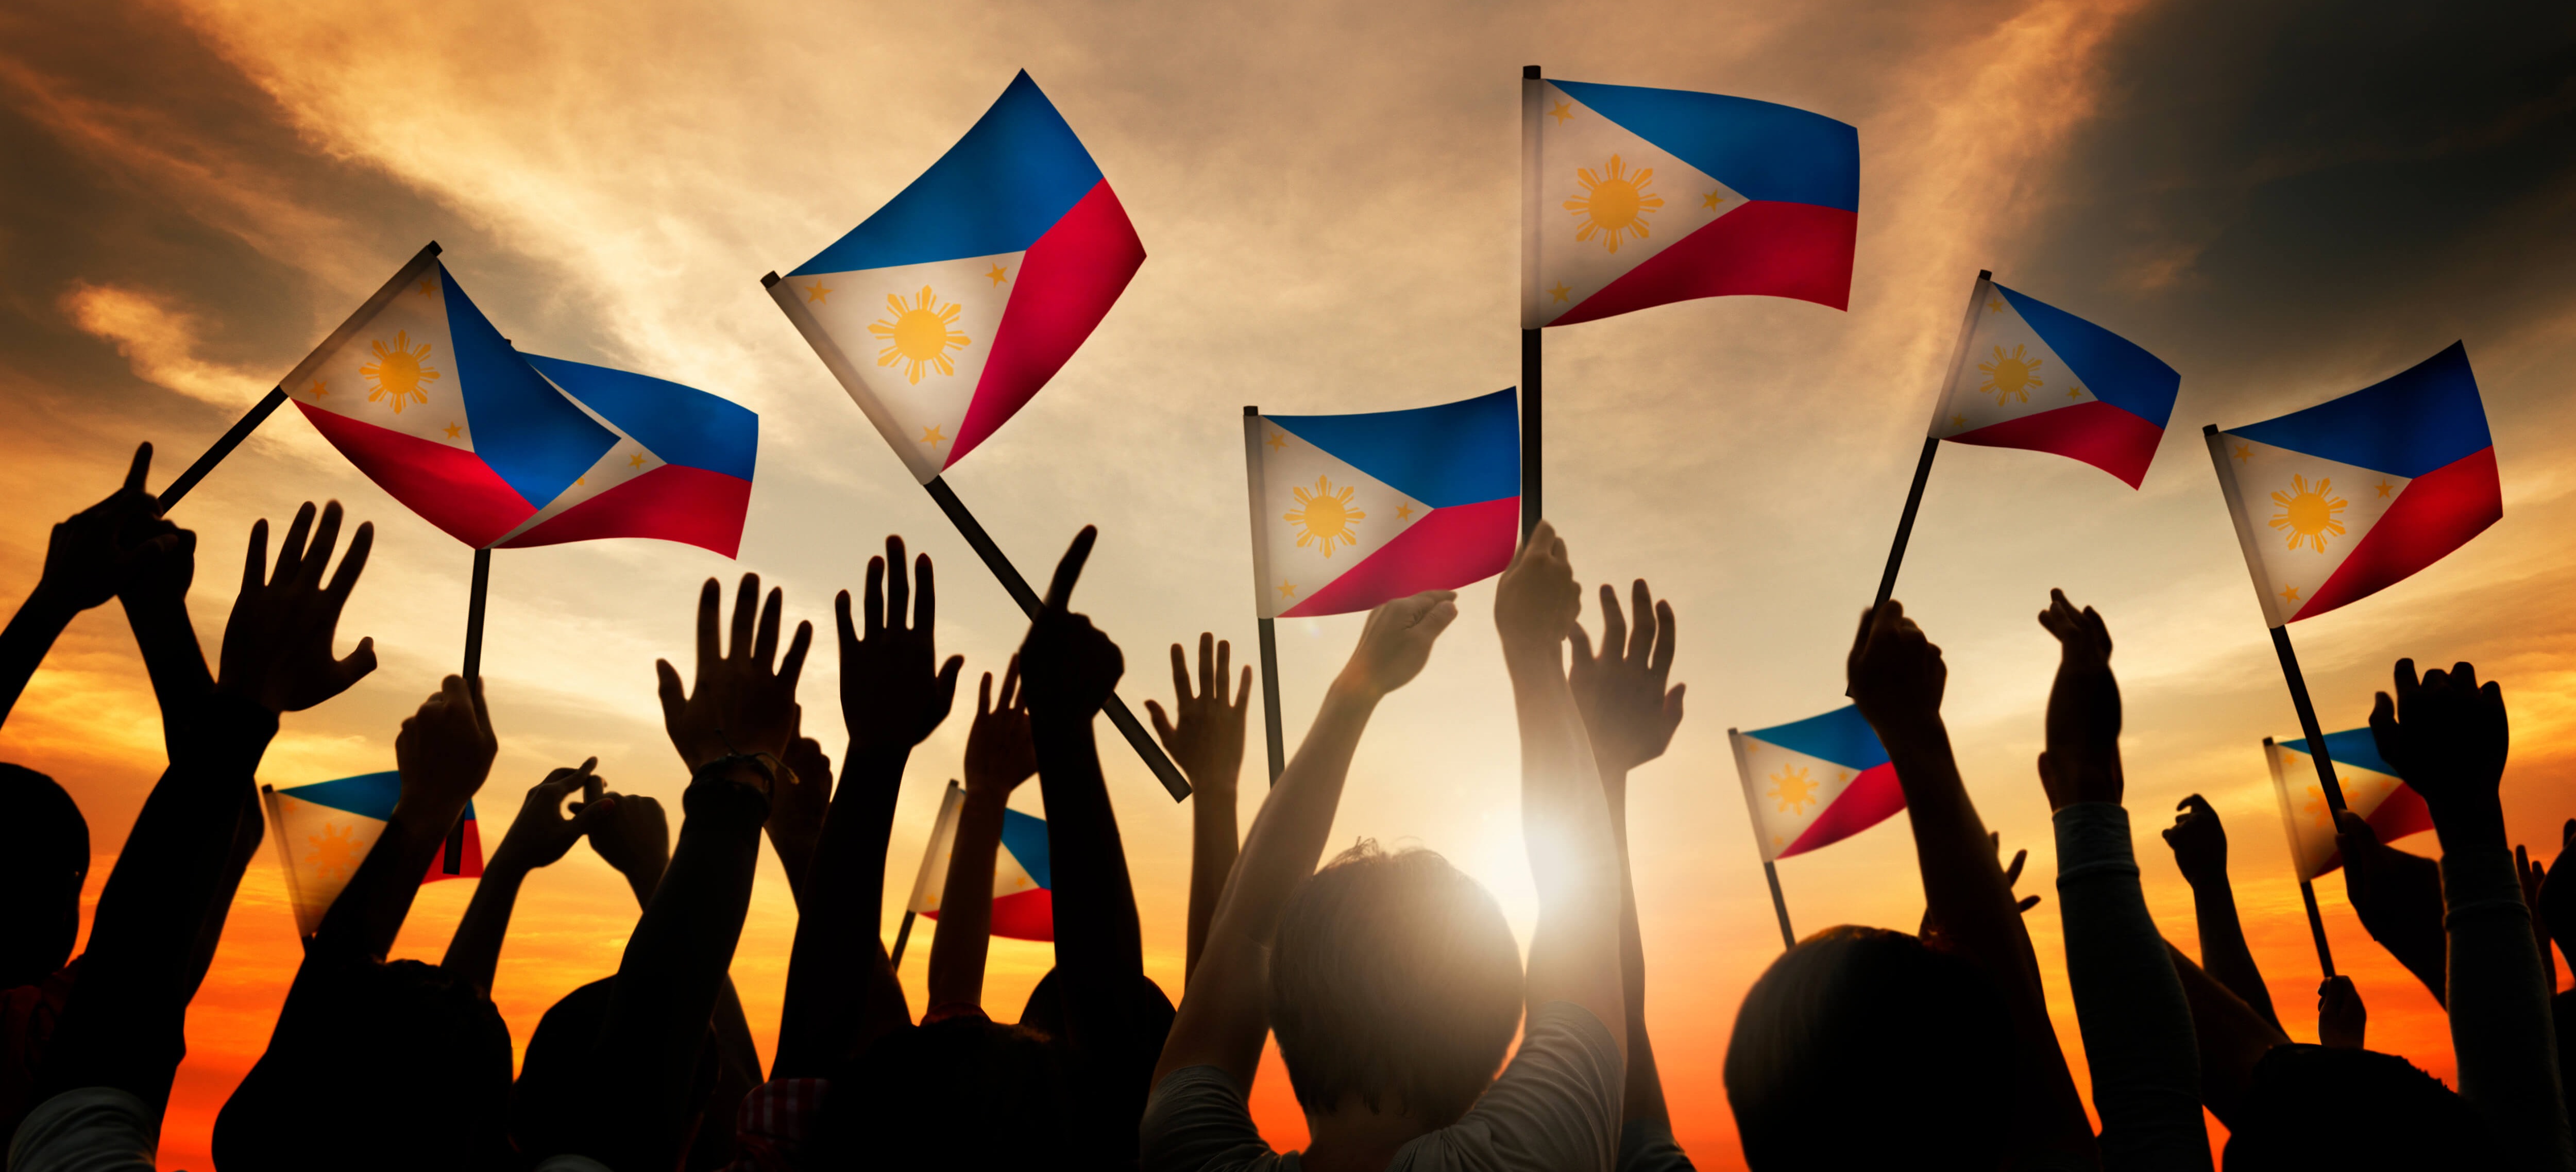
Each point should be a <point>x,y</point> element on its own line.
<point>2370,789</point>
<point>944,312</point>
<point>2031,375</point>
<point>1023,901</point>
<point>2344,499</point>
<point>680,468</point>
<point>1349,511</point>
<point>425,397</point>
<point>1635,197</point>
<point>1814,782</point>
<point>324,830</point>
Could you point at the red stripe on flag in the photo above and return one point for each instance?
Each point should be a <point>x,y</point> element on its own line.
<point>1866,802</point>
<point>2434,514</point>
<point>472,866</point>
<point>2399,814</point>
<point>2107,437</point>
<point>1025,915</point>
<point>1066,284</point>
<point>691,506</point>
<point>1446,549</point>
<point>450,488</point>
<point>1765,248</point>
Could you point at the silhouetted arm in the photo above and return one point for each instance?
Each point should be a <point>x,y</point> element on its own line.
<point>537,838</point>
<point>999,756</point>
<point>2199,845</point>
<point>92,557</point>
<point>2398,896</point>
<point>1205,739</point>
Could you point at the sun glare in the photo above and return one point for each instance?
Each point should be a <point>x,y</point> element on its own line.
<point>1614,203</point>
<point>2309,513</point>
<point>919,335</point>
<point>1325,517</point>
<point>398,372</point>
<point>1792,788</point>
<point>2011,376</point>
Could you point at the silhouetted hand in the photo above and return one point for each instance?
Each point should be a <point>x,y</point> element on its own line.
<point>2398,897</point>
<point>2199,843</point>
<point>1894,674</point>
<point>2448,737</point>
<point>1620,691</point>
<point>96,553</point>
<point>894,690</point>
<point>1067,666</point>
<point>1000,753</point>
<point>1930,929</point>
<point>2341,1018</point>
<point>445,751</point>
<point>1396,642</point>
<point>1207,740</point>
<point>738,703</point>
<point>2558,894</point>
<point>2082,763</point>
<point>634,836</point>
<point>277,646</point>
<point>1536,601</point>
<point>796,811</point>
<point>543,831</point>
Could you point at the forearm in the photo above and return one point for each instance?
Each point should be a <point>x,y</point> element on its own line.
<point>2499,1006</point>
<point>1573,852</point>
<point>23,643</point>
<point>1213,826</point>
<point>1645,1097</point>
<point>249,827</point>
<point>2223,951</point>
<point>1097,937</point>
<point>474,952</point>
<point>171,656</point>
<point>2229,1035</point>
<point>958,952</point>
<point>370,910</point>
<point>838,945</point>
<point>2137,1026</point>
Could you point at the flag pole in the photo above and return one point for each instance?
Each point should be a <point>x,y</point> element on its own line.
<point>2307,892</point>
<point>1270,699</point>
<point>1923,464</point>
<point>902,936</point>
<point>1018,587</point>
<point>1532,465</point>
<point>1269,629</point>
<point>1770,873</point>
<point>2289,657</point>
<point>454,861</point>
<point>2317,928</point>
<point>1788,939</point>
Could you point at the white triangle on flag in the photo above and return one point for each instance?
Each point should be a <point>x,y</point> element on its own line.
<point>2302,516</point>
<point>1786,790</point>
<point>1607,201</point>
<point>1314,515</point>
<point>915,338</point>
<point>396,371</point>
<point>2006,371</point>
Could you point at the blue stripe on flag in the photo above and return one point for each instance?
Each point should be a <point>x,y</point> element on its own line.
<point>1839,736</point>
<point>2116,370</point>
<point>1458,453</point>
<point>682,425</point>
<point>368,795</point>
<point>2353,746</point>
<point>1765,151</point>
<point>529,434</point>
<point>2425,418</point>
<point>1016,173</point>
<point>1025,836</point>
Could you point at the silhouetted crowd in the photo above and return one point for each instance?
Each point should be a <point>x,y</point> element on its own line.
<point>1389,977</point>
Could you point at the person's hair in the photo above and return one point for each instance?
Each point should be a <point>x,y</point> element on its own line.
<point>1866,1015</point>
<point>556,1100</point>
<point>395,1065</point>
<point>2320,1107</point>
<point>44,856</point>
<point>1394,981</point>
<point>964,1092</point>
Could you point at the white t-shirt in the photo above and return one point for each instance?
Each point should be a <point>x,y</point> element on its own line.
<point>1555,1109</point>
<point>92,1129</point>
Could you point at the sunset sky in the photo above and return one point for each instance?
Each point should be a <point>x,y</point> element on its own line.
<point>2285,202</point>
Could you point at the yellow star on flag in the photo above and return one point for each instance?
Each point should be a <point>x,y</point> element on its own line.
<point>816,292</point>
<point>1710,200</point>
<point>1563,111</point>
<point>635,461</point>
<point>452,429</point>
<point>1958,421</point>
<point>932,436</point>
<point>426,286</point>
<point>2244,451</point>
<point>1996,305</point>
<point>2074,392</point>
<point>999,275</point>
<point>1404,512</point>
<point>2289,594</point>
<point>319,391</point>
<point>1287,590</point>
<point>1276,441</point>
<point>2384,486</point>
<point>1561,292</point>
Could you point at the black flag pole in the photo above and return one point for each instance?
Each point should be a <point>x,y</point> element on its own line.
<point>1532,465</point>
<point>276,396</point>
<point>454,861</point>
<point>1269,628</point>
<point>1923,467</point>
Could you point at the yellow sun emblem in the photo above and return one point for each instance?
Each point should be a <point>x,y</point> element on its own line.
<point>1792,788</point>
<point>2318,810</point>
<point>1614,203</point>
<point>918,334</point>
<point>335,852</point>
<point>399,372</point>
<point>2309,513</point>
<point>2011,375</point>
<point>1325,516</point>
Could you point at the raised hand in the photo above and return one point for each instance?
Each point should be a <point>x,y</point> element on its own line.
<point>796,811</point>
<point>445,751</point>
<point>277,646</point>
<point>1396,642</point>
<point>1930,929</point>
<point>2447,735</point>
<point>1067,666</point>
<point>739,702</point>
<point>1626,708</point>
<point>633,836</point>
<point>1207,738</point>
<point>2082,763</point>
<point>1536,600</point>
<point>1894,674</point>
<point>543,831</point>
<point>2341,1017</point>
<point>2199,843</point>
<point>1000,753</point>
<point>894,690</point>
<point>2398,896</point>
<point>96,553</point>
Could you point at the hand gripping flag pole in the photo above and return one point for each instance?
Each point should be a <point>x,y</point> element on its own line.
<point>2307,890</point>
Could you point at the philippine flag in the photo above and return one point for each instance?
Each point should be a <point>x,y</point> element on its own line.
<point>2370,789</point>
<point>1814,782</point>
<point>425,397</point>
<point>1635,197</point>
<point>2031,375</point>
<point>1023,901</point>
<point>680,469</point>
<point>1349,511</point>
<point>944,312</point>
<point>2337,502</point>
<point>324,830</point>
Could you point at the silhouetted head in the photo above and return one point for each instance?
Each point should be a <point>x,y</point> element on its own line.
<point>964,1092</point>
<point>1869,1016</point>
<point>2318,1107</point>
<point>555,1100</point>
<point>389,1065</point>
<point>1394,984</point>
<point>44,857</point>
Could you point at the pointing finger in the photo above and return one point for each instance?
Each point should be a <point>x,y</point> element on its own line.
<point>1059,593</point>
